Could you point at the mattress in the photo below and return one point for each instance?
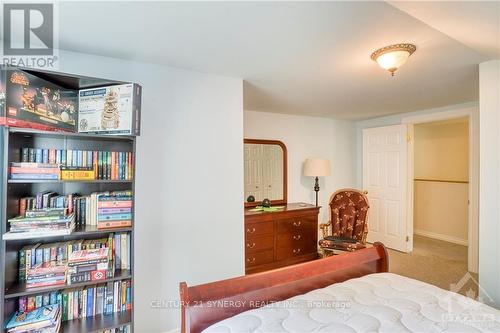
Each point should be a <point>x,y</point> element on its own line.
<point>382,302</point>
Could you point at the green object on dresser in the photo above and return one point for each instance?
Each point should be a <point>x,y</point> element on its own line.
<point>267,209</point>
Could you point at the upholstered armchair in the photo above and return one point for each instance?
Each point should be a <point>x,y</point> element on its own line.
<point>348,225</point>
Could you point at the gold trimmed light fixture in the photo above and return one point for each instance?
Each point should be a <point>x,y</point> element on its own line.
<point>393,56</point>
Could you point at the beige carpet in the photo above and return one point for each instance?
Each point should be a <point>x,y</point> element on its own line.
<point>436,262</point>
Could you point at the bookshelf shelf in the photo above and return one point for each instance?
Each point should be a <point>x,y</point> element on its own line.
<point>98,323</point>
<point>18,290</point>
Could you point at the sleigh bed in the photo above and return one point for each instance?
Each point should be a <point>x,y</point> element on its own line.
<point>346,293</point>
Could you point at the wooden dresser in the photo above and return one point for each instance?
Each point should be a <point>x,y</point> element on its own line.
<point>276,239</point>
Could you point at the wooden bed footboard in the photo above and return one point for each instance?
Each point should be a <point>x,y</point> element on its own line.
<point>207,304</point>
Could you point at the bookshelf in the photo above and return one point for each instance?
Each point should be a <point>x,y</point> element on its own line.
<point>11,141</point>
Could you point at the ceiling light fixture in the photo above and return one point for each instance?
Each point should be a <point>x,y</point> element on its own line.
<point>393,56</point>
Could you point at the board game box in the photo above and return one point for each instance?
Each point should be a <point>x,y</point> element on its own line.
<point>110,110</point>
<point>29,101</point>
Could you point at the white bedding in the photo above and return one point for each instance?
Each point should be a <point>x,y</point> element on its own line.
<point>381,302</point>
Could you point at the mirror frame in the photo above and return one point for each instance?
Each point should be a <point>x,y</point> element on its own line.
<point>285,171</point>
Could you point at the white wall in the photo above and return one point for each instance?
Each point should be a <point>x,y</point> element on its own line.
<point>309,137</point>
<point>489,186</point>
<point>189,214</point>
<point>442,150</point>
<point>440,211</point>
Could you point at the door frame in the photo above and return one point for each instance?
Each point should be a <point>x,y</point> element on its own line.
<point>472,113</point>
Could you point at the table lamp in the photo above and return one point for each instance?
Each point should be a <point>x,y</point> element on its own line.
<point>317,167</point>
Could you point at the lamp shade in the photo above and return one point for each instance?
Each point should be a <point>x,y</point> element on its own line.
<point>317,167</point>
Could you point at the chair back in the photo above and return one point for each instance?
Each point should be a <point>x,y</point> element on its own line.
<point>349,214</point>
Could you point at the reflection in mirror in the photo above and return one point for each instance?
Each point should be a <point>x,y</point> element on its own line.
<point>264,171</point>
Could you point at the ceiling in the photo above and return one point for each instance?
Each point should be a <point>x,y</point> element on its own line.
<point>309,58</point>
<point>473,23</point>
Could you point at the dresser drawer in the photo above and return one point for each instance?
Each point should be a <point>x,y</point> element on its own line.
<point>258,228</point>
<point>259,258</point>
<point>296,237</point>
<point>294,250</point>
<point>259,243</point>
<point>301,223</point>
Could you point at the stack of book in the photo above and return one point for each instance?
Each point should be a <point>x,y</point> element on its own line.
<point>28,303</point>
<point>89,265</point>
<point>45,275</point>
<point>114,210</point>
<point>89,301</point>
<point>45,200</point>
<point>55,254</point>
<point>34,171</point>
<point>43,224</point>
<point>121,250</point>
<point>81,164</point>
<point>46,319</point>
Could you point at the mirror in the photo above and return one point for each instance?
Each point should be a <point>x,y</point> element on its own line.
<point>265,171</point>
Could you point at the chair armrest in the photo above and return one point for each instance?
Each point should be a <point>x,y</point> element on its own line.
<point>324,228</point>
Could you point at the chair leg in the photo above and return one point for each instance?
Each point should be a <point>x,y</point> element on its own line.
<point>326,253</point>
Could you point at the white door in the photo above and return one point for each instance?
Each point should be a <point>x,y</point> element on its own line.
<point>384,177</point>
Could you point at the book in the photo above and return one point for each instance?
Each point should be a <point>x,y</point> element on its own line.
<point>114,210</point>
<point>32,176</point>
<point>84,256</point>
<point>37,234</point>
<point>90,302</point>
<point>23,170</point>
<point>114,217</point>
<point>77,175</point>
<point>87,276</point>
<point>46,212</point>
<point>32,165</point>
<point>53,218</point>
<point>108,298</point>
<point>114,224</point>
<point>124,258</point>
<point>36,319</point>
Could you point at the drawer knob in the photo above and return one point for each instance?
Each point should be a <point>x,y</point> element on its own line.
<point>297,224</point>
<point>250,246</point>
<point>296,251</point>
<point>251,260</point>
<point>251,231</point>
<point>297,237</point>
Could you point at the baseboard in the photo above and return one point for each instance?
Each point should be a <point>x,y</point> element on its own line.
<point>442,237</point>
